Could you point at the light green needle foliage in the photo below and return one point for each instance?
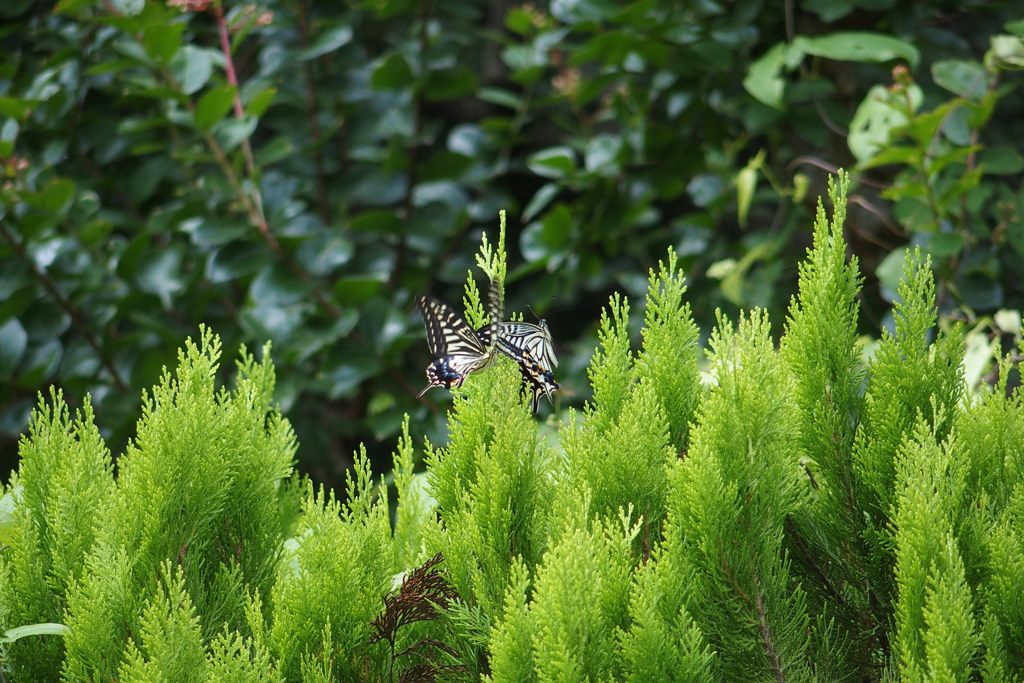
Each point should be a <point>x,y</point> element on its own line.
<point>511,643</point>
<point>199,486</point>
<point>1004,586</point>
<point>991,430</point>
<point>234,659</point>
<point>728,503</point>
<point>668,359</point>
<point>611,368</point>
<point>800,519</point>
<point>621,448</point>
<point>169,643</point>
<point>492,488</point>
<point>64,482</point>
<point>333,577</point>
<point>936,633</point>
<point>580,603</point>
<point>623,464</point>
<point>491,481</point>
<point>909,377</point>
<point>821,346</point>
<point>663,642</point>
<point>414,504</point>
<point>103,611</point>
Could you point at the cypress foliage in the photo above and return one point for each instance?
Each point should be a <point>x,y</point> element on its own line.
<point>668,358</point>
<point>199,486</point>
<point>64,483</point>
<point>728,503</point>
<point>801,514</point>
<point>936,636</point>
<point>910,378</point>
<point>339,566</point>
<point>820,345</point>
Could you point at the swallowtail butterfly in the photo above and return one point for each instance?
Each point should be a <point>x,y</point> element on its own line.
<point>459,349</point>
<point>531,346</point>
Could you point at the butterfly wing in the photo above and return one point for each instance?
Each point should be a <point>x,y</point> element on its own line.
<point>448,333</point>
<point>532,348</point>
<point>458,348</point>
<point>537,380</point>
<point>516,338</point>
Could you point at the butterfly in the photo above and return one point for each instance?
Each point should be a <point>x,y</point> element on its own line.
<point>459,349</point>
<point>531,346</point>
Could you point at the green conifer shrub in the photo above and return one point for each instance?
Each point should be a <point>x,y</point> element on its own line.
<point>788,510</point>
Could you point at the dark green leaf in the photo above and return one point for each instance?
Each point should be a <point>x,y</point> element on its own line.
<point>192,68</point>
<point>763,80</point>
<point>981,292</point>
<point>231,132</point>
<point>128,7</point>
<point>13,340</point>
<point>547,238</point>
<point>277,149</point>
<point>40,363</point>
<point>235,260</point>
<point>276,323</point>
<point>376,221</point>
<point>500,97</point>
<point>890,271</point>
<point>392,73</point>
<point>577,11</point>
<point>258,103</point>
<point>1001,160</point>
<point>159,273</point>
<point>213,106</point>
<point>705,188</point>
<point>858,46</point>
<point>445,165</point>
<point>162,41</point>
<point>356,289</point>
<point>540,200</point>
<point>448,84</point>
<point>602,155</point>
<point>962,78</point>
<point>14,108</point>
<point>276,285</point>
<point>16,302</point>
<point>55,198</point>
<point>211,232</point>
<point>554,162</point>
<point>328,41</point>
<point>942,244</point>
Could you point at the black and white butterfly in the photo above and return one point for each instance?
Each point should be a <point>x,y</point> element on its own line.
<point>534,340</point>
<point>532,347</point>
<point>459,349</point>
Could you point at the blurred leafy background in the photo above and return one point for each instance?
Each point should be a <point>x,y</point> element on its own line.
<point>300,170</point>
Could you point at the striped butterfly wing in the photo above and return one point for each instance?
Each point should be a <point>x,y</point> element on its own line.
<point>516,338</point>
<point>458,348</point>
<point>532,347</point>
<point>537,379</point>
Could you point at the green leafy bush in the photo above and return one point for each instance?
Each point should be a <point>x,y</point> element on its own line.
<point>800,513</point>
